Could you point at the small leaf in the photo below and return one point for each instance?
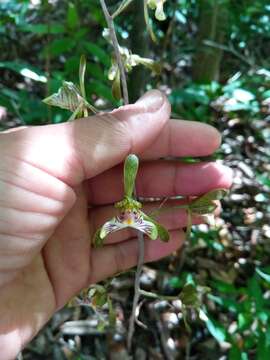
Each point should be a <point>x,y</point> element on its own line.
<point>130,172</point>
<point>72,16</point>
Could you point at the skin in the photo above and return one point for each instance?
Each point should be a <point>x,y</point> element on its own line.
<point>58,183</point>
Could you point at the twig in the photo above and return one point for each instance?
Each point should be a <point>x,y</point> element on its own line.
<point>121,8</point>
<point>158,296</point>
<point>116,47</point>
<point>230,49</point>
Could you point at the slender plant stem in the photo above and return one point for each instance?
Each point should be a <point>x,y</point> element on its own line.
<point>140,261</point>
<point>121,8</point>
<point>116,47</point>
<point>158,296</point>
<point>137,290</point>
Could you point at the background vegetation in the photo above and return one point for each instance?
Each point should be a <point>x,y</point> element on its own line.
<point>215,69</point>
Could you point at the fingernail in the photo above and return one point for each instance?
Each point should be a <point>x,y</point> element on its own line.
<point>152,100</point>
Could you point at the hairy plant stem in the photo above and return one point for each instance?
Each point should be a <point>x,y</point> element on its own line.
<point>116,47</point>
<point>140,236</point>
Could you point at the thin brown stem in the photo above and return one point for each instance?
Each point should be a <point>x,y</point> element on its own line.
<point>110,23</point>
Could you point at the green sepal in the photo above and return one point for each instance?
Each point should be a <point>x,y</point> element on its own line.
<point>163,233</point>
<point>205,203</point>
<point>97,239</point>
<point>154,233</point>
<point>130,172</point>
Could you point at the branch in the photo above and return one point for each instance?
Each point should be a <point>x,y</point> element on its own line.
<point>116,47</point>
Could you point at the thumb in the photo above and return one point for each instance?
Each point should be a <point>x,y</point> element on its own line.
<point>86,147</point>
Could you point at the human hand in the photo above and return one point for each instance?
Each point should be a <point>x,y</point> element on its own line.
<point>58,184</point>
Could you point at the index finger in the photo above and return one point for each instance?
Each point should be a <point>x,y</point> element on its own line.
<point>180,138</point>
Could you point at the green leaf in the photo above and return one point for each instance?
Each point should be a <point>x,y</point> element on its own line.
<point>216,329</point>
<point>59,47</point>
<point>235,353</point>
<point>255,292</point>
<point>263,348</point>
<point>130,172</point>
<point>263,275</point>
<point>42,29</point>
<point>98,52</point>
<point>73,20</point>
<point>25,70</point>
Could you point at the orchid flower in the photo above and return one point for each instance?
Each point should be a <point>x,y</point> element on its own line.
<point>204,205</point>
<point>71,98</point>
<point>130,214</point>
